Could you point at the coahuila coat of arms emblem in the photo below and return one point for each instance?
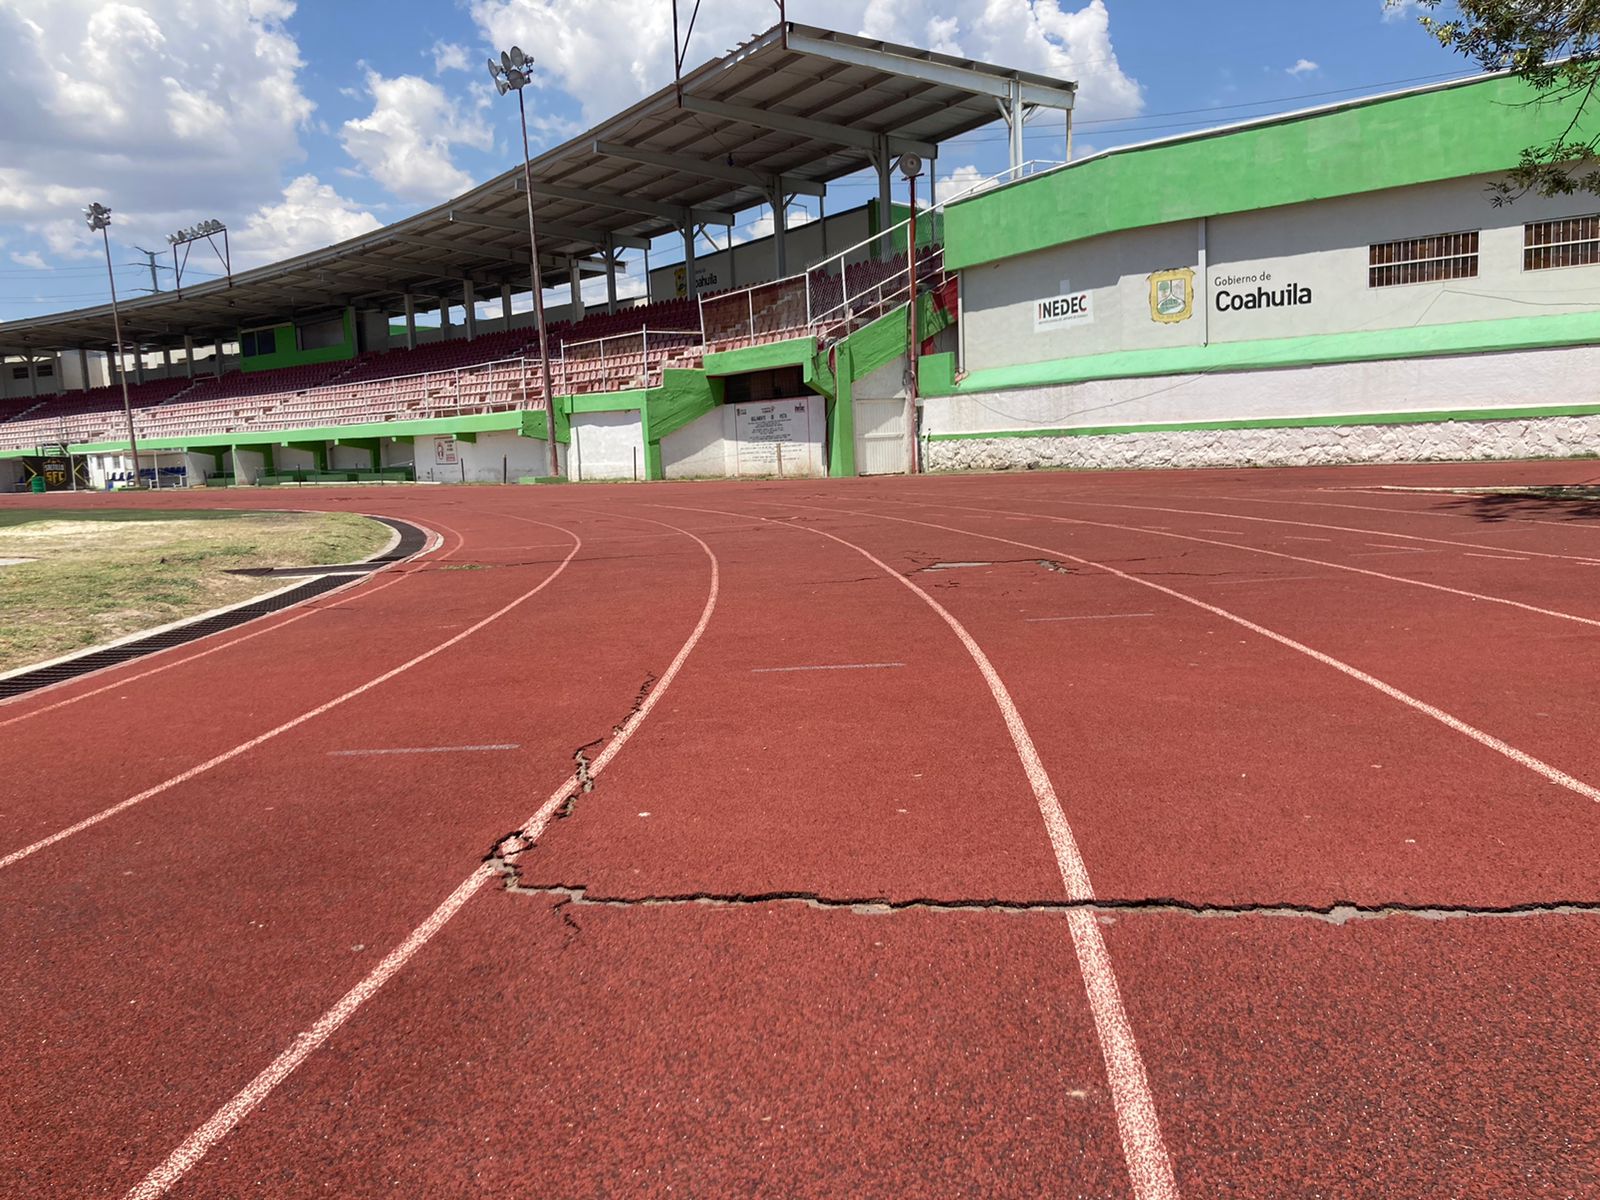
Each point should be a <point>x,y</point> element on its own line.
<point>1172,295</point>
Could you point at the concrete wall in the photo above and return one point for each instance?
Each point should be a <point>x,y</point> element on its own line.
<point>1320,249</point>
<point>10,474</point>
<point>754,261</point>
<point>750,440</point>
<point>1330,399</point>
<point>608,445</point>
<point>493,457</point>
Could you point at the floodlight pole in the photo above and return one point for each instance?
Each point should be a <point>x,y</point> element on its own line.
<point>538,296</point>
<point>116,325</point>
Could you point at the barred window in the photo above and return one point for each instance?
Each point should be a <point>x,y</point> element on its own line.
<point>1572,242</point>
<point>1424,259</point>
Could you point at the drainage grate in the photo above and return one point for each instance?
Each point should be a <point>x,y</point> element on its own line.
<point>412,540</point>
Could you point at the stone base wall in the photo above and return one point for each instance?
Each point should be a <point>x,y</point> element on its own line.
<point>1438,441</point>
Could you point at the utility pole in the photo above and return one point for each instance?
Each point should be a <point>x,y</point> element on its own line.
<point>155,279</point>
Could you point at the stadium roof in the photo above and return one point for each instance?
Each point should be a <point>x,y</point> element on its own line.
<point>792,110</point>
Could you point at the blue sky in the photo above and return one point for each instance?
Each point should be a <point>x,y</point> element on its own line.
<point>299,125</point>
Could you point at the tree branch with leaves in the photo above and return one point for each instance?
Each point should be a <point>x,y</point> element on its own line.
<point>1555,46</point>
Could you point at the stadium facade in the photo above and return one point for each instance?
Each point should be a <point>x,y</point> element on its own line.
<point>1335,285</point>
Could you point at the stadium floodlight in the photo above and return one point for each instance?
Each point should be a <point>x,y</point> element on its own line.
<point>98,218</point>
<point>205,231</point>
<point>512,72</point>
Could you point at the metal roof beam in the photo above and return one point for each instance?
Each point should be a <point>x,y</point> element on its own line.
<point>822,131</point>
<point>792,184</point>
<point>555,228</point>
<point>633,204</point>
<point>876,57</point>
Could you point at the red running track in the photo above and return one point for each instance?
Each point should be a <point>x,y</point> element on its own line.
<point>965,836</point>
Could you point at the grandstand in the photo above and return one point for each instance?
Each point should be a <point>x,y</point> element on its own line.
<point>1366,305</point>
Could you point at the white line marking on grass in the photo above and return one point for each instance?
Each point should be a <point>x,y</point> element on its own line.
<point>826,667</point>
<point>1520,757</point>
<point>222,1122</point>
<point>1313,562</point>
<point>426,750</point>
<point>1091,617</point>
<point>1149,1167</point>
<point>351,592</point>
<point>17,856</point>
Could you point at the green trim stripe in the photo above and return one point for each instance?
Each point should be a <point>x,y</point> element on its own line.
<point>1401,418</point>
<point>1426,341</point>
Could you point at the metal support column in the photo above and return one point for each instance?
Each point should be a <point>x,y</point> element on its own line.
<point>411,321</point>
<point>690,288</point>
<point>780,224</point>
<point>575,284</point>
<point>188,353</point>
<point>83,370</point>
<point>469,308</point>
<point>611,276</point>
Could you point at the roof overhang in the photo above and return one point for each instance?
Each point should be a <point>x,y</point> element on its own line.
<point>784,114</point>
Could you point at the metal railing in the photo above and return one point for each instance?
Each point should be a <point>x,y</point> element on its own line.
<point>848,290</point>
<point>620,361</point>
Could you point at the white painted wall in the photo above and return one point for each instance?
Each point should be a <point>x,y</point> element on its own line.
<point>608,445</point>
<point>750,440</point>
<point>493,457</point>
<point>1323,246</point>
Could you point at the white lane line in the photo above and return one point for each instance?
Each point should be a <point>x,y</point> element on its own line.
<point>1090,617</point>
<point>1505,557</point>
<point>826,667</point>
<point>222,1122</point>
<point>426,750</point>
<point>1149,1167</point>
<point>1226,532</point>
<point>1265,579</point>
<point>1390,546</point>
<point>1311,562</point>
<point>1402,512</point>
<point>1388,533</point>
<point>1520,757</point>
<point>351,592</point>
<point>17,856</point>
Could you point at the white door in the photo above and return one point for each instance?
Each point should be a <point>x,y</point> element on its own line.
<point>881,436</point>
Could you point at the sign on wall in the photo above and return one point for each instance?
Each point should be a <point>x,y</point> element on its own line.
<point>1059,311</point>
<point>1257,289</point>
<point>445,452</point>
<point>1172,295</point>
<point>780,437</point>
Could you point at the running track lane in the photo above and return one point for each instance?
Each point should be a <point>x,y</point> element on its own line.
<point>1487,664</point>
<point>1149,1169</point>
<point>277,653</point>
<point>643,948</point>
<point>213,1130</point>
<point>243,904</point>
<point>1306,785</point>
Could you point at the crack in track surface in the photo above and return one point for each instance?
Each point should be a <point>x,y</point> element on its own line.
<point>503,856</point>
<point>1342,913</point>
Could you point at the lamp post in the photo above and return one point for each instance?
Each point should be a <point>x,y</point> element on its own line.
<point>207,232</point>
<point>510,74</point>
<point>98,217</point>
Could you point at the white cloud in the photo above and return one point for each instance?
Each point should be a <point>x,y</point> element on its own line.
<point>449,56</point>
<point>1301,68</point>
<point>30,259</point>
<point>405,141</point>
<point>308,215</point>
<point>763,226</point>
<point>1400,10</point>
<point>168,110</point>
<point>609,53</point>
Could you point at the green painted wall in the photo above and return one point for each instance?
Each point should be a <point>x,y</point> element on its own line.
<point>794,352</point>
<point>1468,129</point>
<point>936,377</point>
<point>860,354</point>
<point>288,354</point>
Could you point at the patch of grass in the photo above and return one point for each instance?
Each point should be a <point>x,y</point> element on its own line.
<point>95,577</point>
